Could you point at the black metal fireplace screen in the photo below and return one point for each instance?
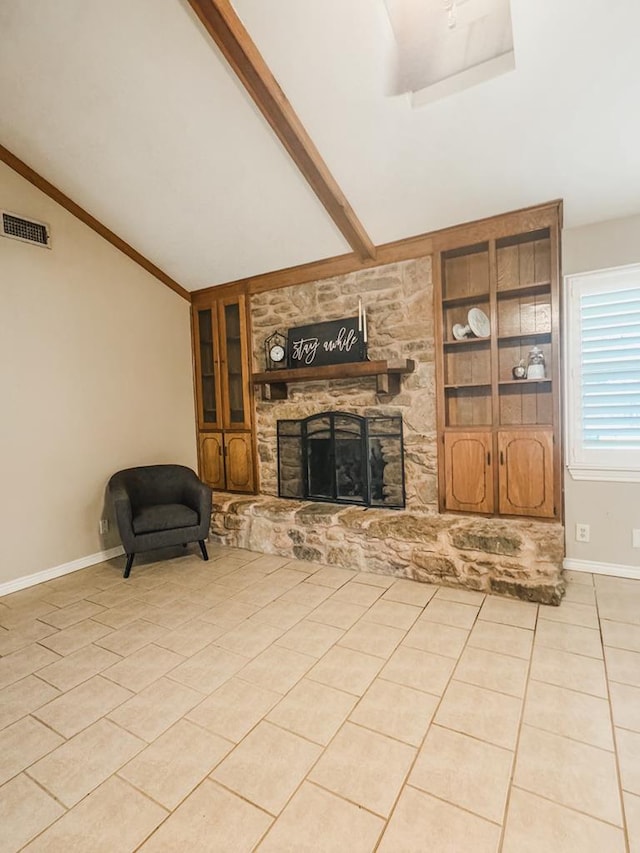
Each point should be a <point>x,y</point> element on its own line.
<point>342,458</point>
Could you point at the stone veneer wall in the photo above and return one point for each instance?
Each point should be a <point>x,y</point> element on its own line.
<point>511,556</point>
<point>398,299</point>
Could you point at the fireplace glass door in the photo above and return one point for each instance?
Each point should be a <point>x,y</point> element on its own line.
<point>318,473</point>
<point>342,458</point>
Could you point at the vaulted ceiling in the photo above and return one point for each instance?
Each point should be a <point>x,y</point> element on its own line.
<point>130,109</point>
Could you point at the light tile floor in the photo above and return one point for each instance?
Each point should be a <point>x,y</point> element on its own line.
<point>254,702</point>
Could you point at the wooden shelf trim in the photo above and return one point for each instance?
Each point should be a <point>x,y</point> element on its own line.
<point>452,301</point>
<point>461,385</point>
<point>387,373</point>
<point>535,289</point>
<point>464,385</point>
<point>470,342</point>
<point>524,382</point>
<point>526,290</point>
<point>521,335</point>
<point>467,342</point>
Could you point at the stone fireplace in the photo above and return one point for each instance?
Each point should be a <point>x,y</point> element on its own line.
<point>518,557</point>
<point>342,458</point>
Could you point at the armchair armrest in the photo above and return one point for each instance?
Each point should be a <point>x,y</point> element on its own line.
<point>123,513</point>
<point>198,496</point>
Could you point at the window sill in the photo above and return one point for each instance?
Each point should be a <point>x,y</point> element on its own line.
<point>607,475</point>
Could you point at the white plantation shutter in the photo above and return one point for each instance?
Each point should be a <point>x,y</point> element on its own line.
<point>603,357</point>
<point>610,369</point>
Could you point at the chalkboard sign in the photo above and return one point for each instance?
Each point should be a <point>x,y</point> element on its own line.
<point>331,342</point>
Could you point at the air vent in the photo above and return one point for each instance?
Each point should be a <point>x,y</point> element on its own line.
<point>27,230</point>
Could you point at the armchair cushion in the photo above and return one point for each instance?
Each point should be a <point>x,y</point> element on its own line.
<point>149,519</point>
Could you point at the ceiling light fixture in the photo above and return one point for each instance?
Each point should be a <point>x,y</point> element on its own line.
<point>446,46</point>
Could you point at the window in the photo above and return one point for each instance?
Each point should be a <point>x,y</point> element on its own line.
<point>603,374</point>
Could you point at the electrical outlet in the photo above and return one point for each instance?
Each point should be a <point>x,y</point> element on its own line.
<point>104,525</point>
<point>636,537</point>
<point>583,533</point>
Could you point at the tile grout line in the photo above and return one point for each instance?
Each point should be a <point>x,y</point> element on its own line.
<point>338,730</point>
<point>570,689</point>
<point>414,787</point>
<point>66,740</point>
<point>510,787</point>
<point>340,727</point>
<point>571,740</point>
<point>428,729</point>
<point>623,814</point>
<point>263,719</point>
<point>324,748</point>
<point>568,808</point>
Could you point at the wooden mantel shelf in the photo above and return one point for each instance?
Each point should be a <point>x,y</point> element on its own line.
<point>388,374</point>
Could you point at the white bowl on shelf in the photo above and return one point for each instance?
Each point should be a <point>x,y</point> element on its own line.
<point>478,326</point>
<point>479,323</point>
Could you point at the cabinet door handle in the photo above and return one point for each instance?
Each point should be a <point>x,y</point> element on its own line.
<point>488,458</point>
<point>219,450</point>
<point>501,458</point>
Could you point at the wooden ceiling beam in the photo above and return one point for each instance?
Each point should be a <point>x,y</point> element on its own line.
<point>228,32</point>
<point>80,213</point>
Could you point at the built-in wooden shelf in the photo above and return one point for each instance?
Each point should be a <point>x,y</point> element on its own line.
<point>388,375</point>
<point>539,336</point>
<point>468,342</point>
<point>535,289</point>
<point>483,413</point>
<point>460,385</point>
<point>468,299</point>
<point>524,381</point>
<point>474,342</point>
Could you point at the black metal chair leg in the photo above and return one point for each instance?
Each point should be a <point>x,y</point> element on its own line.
<point>127,568</point>
<point>203,548</point>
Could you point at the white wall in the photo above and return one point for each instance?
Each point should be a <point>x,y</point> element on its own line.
<point>95,375</point>
<point>611,509</point>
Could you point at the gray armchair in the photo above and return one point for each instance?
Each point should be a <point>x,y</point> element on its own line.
<point>160,505</point>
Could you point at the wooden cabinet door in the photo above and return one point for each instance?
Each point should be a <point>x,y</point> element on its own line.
<point>468,471</point>
<point>239,461</point>
<point>526,472</point>
<point>212,459</point>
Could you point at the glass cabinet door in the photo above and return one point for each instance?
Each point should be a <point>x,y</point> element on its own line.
<point>236,414</point>
<point>209,391</point>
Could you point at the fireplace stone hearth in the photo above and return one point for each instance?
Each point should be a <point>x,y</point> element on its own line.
<point>512,557</point>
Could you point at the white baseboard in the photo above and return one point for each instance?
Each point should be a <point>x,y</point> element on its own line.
<point>58,571</point>
<point>614,569</point>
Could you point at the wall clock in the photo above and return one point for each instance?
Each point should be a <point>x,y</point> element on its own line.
<point>275,349</point>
